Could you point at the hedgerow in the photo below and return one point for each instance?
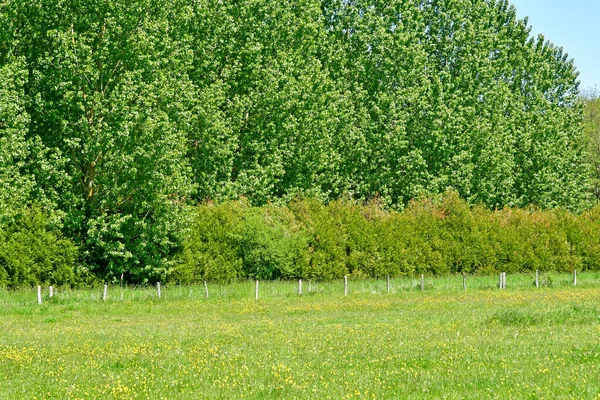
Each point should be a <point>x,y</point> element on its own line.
<point>311,240</point>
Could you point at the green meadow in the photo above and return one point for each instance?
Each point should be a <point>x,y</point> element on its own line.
<point>442,342</point>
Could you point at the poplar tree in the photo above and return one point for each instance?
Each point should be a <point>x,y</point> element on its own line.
<point>15,183</point>
<point>107,93</point>
<point>117,115</point>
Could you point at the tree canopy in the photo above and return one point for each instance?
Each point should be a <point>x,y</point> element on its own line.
<point>115,115</point>
<point>592,134</point>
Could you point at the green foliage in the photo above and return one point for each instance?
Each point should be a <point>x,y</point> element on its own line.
<point>271,246</point>
<point>108,94</point>
<point>592,135</point>
<point>310,240</point>
<point>211,247</point>
<point>587,244</point>
<point>32,252</point>
<point>338,99</point>
<point>232,240</point>
<point>117,115</point>
<point>15,183</point>
<point>327,237</point>
<point>530,240</point>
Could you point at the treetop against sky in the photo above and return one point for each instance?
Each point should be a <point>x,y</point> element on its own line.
<point>572,25</point>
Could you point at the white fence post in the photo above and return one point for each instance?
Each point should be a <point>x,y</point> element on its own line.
<point>105,293</point>
<point>422,282</point>
<point>256,289</point>
<point>389,288</point>
<point>158,288</point>
<point>299,287</point>
<point>345,285</point>
<point>39,294</point>
<point>206,289</point>
<point>502,284</point>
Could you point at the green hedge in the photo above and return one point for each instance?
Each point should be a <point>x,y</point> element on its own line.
<point>33,252</point>
<point>307,239</point>
<point>311,240</point>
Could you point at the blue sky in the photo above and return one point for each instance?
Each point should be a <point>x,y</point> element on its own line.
<point>572,24</point>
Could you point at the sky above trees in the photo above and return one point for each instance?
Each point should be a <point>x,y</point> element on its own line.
<point>571,24</point>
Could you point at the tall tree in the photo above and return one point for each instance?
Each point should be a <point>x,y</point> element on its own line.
<point>271,121</point>
<point>478,104</point>
<point>592,133</point>
<point>15,183</point>
<point>109,94</point>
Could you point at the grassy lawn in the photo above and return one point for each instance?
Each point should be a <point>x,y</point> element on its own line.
<point>443,342</point>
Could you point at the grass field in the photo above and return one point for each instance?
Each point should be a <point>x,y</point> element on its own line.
<point>443,342</point>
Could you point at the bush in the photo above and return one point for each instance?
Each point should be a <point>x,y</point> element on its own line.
<point>586,238</point>
<point>232,240</point>
<point>32,252</point>
<point>326,237</point>
<point>272,245</point>
<point>310,240</point>
<point>211,247</point>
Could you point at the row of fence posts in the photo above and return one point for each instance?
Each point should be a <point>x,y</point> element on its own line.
<point>501,285</point>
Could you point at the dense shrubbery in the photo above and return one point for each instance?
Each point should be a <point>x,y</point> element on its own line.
<point>311,240</point>
<point>33,252</point>
<point>307,239</point>
<point>233,240</point>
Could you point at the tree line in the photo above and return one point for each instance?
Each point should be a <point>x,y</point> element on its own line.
<point>592,135</point>
<point>117,117</point>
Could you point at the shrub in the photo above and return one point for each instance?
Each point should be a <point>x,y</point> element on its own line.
<point>587,241</point>
<point>211,246</point>
<point>326,236</point>
<point>271,245</point>
<point>32,252</point>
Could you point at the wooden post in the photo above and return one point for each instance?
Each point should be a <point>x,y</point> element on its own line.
<point>39,295</point>
<point>122,287</point>
<point>464,282</point>
<point>500,281</point>
<point>537,278</point>
<point>422,282</point>
<point>299,287</point>
<point>256,289</point>
<point>158,288</point>
<point>388,285</point>
<point>104,295</point>
<point>345,285</point>
<point>574,277</point>
<point>51,291</point>
<point>206,289</point>
<point>504,280</point>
